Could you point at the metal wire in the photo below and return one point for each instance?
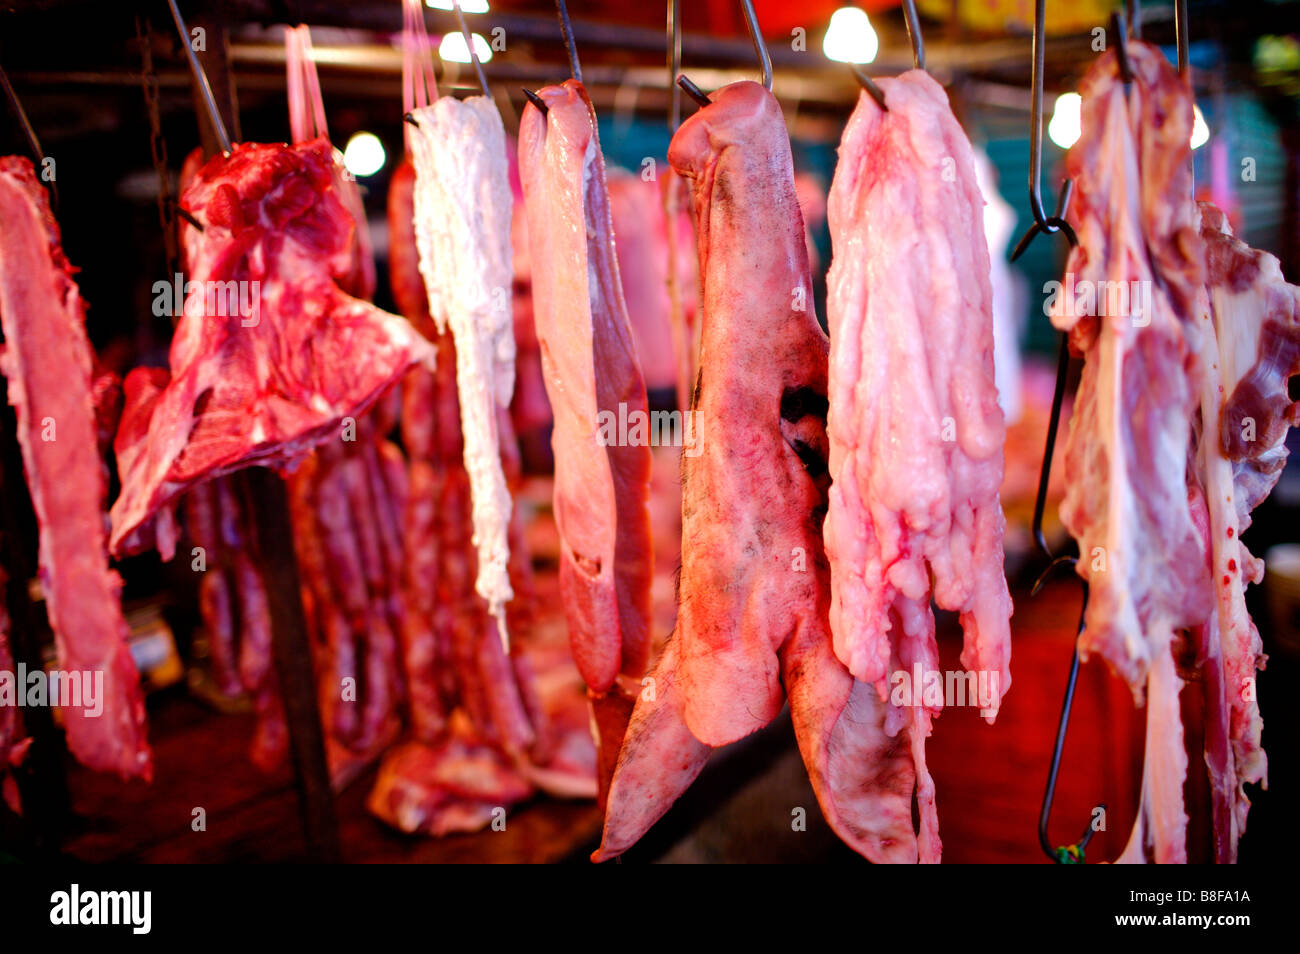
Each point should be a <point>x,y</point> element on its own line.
<point>469,45</point>
<point>575,68</point>
<point>200,77</point>
<point>914,34</point>
<point>760,47</point>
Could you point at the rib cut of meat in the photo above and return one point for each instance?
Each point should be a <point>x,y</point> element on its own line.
<point>1250,347</point>
<point>259,384</point>
<point>591,368</point>
<point>1130,439</point>
<point>462,229</point>
<point>915,429</point>
<point>48,362</point>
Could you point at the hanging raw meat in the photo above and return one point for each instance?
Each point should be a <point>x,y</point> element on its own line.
<point>755,587</point>
<point>48,362</point>
<point>590,363</point>
<point>1130,439</point>
<point>462,230</point>
<point>915,428</point>
<point>263,382</point>
<point>1250,346</point>
<point>593,378</point>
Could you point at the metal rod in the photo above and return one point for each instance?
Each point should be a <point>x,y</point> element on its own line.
<point>575,68</point>
<point>873,90</point>
<point>1119,26</point>
<point>914,34</point>
<point>29,133</point>
<point>201,78</point>
<point>1180,34</point>
<point>469,45</point>
<point>693,91</point>
<point>674,63</point>
<point>760,48</point>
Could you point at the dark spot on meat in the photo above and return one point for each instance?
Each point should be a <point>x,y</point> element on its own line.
<point>588,565</point>
<point>1231,532</point>
<point>797,403</point>
<point>699,384</point>
<point>812,462</point>
<point>1232,566</point>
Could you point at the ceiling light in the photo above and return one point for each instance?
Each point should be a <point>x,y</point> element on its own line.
<point>850,37</point>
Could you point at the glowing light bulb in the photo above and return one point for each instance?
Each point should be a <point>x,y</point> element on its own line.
<point>1066,117</point>
<point>468,6</point>
<point>364,155</point>
<point>850,37</point>
<point>1200,130</point>
<point>453,48</point>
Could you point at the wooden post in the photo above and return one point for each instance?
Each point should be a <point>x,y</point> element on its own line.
<point>272,536</point>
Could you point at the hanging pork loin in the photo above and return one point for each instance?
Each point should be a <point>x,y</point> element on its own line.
<point>592,377</point>
<point>48,362</point>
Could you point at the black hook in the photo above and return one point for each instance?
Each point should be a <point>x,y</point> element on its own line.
<point>868,84</point>
<point>914,34</point>
<point>693,91</point>
<point>575,68</point>
<point>1042,223</point>
<point>1071,854</point>
<point>537,101</point>
<point>407,117</point>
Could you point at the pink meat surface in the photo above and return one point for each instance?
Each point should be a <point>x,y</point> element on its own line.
<point>750,537</point>
<point>1128,302</point>
<point>48,362</point>
<point>1249,319</point>
<point>915,429</point>
<point>590,365</point>
<point>266,383</point>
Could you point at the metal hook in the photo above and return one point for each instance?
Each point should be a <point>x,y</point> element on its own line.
<point>29,133</point>
<point>214,114</point>
<point>873,90</point>
<point>760,48</point>
<point>1071,854</point>
<point>1042,223</point>
<point>575,68</point>
<point>469,45</point>
<point>693,91</point>
<point>537,101</point>
<point>914,34</point>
